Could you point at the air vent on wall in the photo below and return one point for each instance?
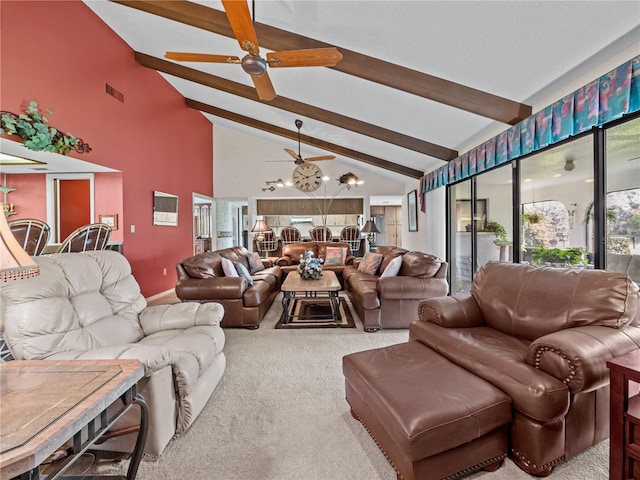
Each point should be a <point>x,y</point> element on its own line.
<point>114,92</point>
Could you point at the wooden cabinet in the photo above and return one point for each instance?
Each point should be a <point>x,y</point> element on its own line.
<point>624,418</point>
<point>392,223</point>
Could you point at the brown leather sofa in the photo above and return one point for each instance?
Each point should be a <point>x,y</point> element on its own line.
<point>291,253</point>
<point>392,302</point>
<point>202,279</point>
<point>542,336</point>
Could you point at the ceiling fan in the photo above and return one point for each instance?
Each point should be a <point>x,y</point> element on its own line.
<point>297,157</point>
<point>252,63</point>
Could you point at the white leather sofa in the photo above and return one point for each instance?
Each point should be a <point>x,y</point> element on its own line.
<point>89,306</point>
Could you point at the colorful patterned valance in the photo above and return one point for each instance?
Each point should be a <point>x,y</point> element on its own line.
<point>600,101</point>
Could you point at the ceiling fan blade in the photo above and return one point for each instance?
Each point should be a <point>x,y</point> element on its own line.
<point>241,24</point>
<point>292,153</point>
<point>319,159</point>
<point>264,87</point>
<point>312,57</point>
<point>201,57</point>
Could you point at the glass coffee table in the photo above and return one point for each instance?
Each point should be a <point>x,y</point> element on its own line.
<point>295,290</point>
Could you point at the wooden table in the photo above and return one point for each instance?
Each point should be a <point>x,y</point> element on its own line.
<point>46,403</point>
<point>624,418</point>
<point>294,287</point>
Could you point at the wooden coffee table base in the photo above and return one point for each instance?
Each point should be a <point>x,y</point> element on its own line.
<point>296,289</point>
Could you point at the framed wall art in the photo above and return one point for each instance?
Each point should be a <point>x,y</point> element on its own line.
<point>412,208</point>
<point>110,219</point>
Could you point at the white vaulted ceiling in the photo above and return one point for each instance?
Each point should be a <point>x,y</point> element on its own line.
<point>518,50</point>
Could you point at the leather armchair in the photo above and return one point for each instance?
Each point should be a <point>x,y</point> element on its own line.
<point>89,306</point>
<point>543,336</point>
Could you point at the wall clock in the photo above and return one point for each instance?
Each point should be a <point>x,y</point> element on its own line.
<point>307,177</point>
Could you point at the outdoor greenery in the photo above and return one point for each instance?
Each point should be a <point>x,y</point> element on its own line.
<point>570,256</point>
<point>32,126</point>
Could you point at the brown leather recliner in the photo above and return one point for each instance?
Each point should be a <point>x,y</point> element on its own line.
<point>543,336</point>
<point>202,279</point>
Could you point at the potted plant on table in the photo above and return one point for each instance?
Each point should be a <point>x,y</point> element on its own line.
<point>310,268</point>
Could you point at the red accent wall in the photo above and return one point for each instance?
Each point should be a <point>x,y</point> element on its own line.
<point>60,54</point>
<point>29,199</point>
<point>108,200</point>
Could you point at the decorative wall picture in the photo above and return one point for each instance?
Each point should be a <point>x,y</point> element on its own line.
<point>165,209</point>
<point>110,219</point>
<point>412,208</point>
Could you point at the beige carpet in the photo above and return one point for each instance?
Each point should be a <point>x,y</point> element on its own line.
<point>279,413</point>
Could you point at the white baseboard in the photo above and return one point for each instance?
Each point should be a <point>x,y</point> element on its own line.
<point>161,294</point>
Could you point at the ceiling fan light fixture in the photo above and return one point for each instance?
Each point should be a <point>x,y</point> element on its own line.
<point>279,183</point>
<point>350,179</point>
<point>569,165</point>
<point>254,64</point>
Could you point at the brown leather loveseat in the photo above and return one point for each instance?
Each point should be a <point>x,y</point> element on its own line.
<point>201,278</point>
<point>542,336</point>
<point>392,302</point>
<point>291,253</point>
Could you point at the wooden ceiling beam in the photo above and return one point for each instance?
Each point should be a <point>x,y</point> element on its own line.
<point>293,135</point>
<point>348,123</point>
<point>353,63</point>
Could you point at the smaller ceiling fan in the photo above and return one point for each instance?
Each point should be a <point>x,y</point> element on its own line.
<point>256,66</point>
<point>297,157</point>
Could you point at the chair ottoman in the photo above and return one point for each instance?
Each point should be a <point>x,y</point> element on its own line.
<point>431,418</point>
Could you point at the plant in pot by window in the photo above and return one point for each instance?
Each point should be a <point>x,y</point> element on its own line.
<point>529,218</point>
<point>500,232</point>
<point>33,127</point>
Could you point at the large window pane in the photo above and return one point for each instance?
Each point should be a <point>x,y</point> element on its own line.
<point>460,234</point>
<point>556,192</point>
<point>623,197</point>
<point>494,238</point>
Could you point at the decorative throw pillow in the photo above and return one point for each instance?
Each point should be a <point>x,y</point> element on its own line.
<point>392,268</point>
<point>243,272</point>
<point>335,255</point>
<point>255,263</point>
<point>370,263</point>
<point>199,267</point>
<point>228,268</point>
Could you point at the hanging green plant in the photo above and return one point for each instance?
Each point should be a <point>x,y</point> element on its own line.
<point>33,127</point>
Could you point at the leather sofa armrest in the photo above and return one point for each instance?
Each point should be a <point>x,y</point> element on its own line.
<point>349,260</point>
<point>410,288</point>
<point>152,357</point>
<point>267,262</point>
<point>578,356</point>
<point>284,261</point>
<point>211,288</point>
<point>180,316</point>
<point>457,311</point>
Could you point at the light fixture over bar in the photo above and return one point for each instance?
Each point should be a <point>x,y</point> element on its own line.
<point>6,159</point>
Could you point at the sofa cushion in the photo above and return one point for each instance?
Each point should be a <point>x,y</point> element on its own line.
<point>243,272</point>
<point>201,266</point>
<point>335,255</point>
<point>370,263</point>
<point>392,268</point>
<point>389,254</point>
<point>255,263</point>
<point>229,268</point>
<point>513,298</point>
<point>418,264</point>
